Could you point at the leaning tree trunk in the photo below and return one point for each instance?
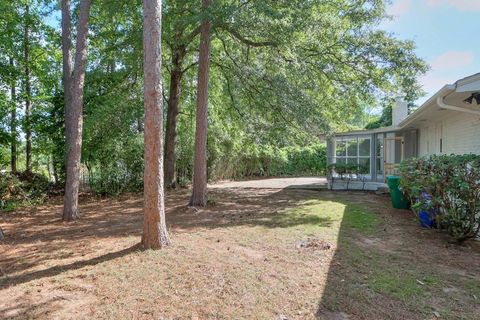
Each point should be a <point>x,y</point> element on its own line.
<point>172,118</point>
<point>74,117</point>
<point>155,235</point>
<point>13,123</point>
<point>28,103</point>
<point>199,193</point>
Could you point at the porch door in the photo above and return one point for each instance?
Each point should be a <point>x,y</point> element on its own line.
<point>393,153</point>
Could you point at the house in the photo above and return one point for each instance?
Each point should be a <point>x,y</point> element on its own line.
<point>448,122</point>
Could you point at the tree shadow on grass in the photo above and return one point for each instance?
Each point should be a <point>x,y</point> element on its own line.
<point>392,269</point>
<point>55,270</point>
<point>349,279</point>
<point>119,218</point>
<point>22,310</point>
<point>36,243</point>
<point>346,293</point>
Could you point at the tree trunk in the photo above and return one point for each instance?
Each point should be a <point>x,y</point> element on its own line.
<point>155,235</point>
<point>199,194</point>
<point>13,123</point>
<point>28,104</point>
<point>172,117</point>
<point>74,117</point>
<point>67,61</point>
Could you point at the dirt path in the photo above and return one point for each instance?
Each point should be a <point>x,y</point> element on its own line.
<point>312,183</point>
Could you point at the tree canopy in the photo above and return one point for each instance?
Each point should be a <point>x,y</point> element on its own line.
<point>282,74</point>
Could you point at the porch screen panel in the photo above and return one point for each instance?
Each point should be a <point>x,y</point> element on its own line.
<point>379,151</point>
<point>353,151</point>
<point>364,145</point>
<point>340,151</point>
<point>352,148</point>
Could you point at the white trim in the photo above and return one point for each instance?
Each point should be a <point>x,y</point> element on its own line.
<point>441,103</point>
<point>435,101</point>
<point>368,131</point>
<point>468,83</point>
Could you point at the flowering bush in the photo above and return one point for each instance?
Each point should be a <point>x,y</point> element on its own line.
<point>453,183</point>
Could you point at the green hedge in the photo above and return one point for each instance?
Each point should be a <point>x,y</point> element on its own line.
<point>453,181</point>
<point>120,168</point>
<point>269,161</point>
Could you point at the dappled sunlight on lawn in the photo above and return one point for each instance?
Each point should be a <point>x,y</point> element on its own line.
<point>324,221</point>
<point>244,247</point>
<point>251,254</point>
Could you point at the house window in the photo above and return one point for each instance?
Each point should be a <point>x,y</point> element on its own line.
<point>353,151</point>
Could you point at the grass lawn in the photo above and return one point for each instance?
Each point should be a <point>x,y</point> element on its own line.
<point>253,254</point>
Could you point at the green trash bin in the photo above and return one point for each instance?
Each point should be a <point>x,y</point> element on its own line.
<point>398,199</point>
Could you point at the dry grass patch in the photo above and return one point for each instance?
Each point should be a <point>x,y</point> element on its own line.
<point>239,258</point>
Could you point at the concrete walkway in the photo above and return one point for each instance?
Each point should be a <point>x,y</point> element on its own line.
<point>313,183</point>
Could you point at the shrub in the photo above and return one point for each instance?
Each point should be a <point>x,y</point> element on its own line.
<point>23,189</point>
<point>119,169</point>
<point>350,172</point>
<point>453,183</point>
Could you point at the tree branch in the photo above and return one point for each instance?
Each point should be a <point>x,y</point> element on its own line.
<point>190,66</point>
<point>249,42</point>
<point>189,38</point>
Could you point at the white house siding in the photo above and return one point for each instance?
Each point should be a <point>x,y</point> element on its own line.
<point>460,134</point>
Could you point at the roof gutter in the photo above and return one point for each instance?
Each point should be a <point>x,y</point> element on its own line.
<point>439,99</point>
<point>441,103</point>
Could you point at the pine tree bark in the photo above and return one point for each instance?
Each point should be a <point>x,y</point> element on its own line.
<point>74,116</point>
<point>13,123</point>
<point>67,60</point>
<point>155,234</point>
<point>199,193</point>
<point>172,117</point>
<point>27,93</point>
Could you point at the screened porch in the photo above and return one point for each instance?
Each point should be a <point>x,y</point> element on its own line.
<point>375,153</point>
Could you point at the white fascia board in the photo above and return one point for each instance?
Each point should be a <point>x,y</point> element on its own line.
<point>469,84</point>
<point>469,87</point>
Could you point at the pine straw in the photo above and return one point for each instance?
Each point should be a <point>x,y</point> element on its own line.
<point>240,258</point>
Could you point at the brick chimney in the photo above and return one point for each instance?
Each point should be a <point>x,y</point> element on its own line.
<point>399,111</point>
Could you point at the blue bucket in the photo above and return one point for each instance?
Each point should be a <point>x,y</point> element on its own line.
<point>425,220</point>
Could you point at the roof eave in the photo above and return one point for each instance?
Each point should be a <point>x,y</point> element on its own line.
<point>424,107</point>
